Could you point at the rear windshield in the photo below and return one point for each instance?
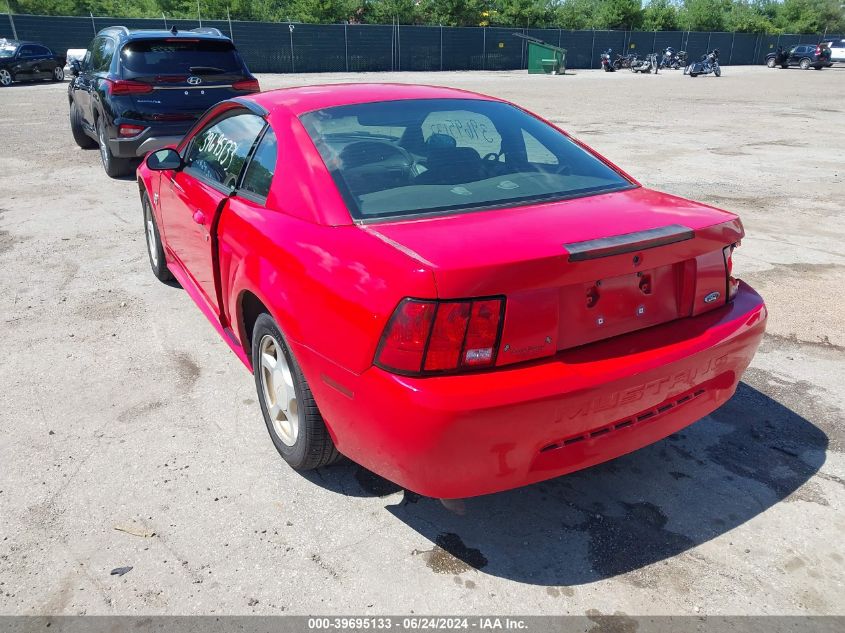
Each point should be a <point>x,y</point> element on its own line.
<point>180,56</point>
<point>425,156</point>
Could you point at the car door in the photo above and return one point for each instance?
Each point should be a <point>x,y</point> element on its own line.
<point>22,69</point>
<point>40,61</point>
<point>193,197</point>
<point>94,66</point>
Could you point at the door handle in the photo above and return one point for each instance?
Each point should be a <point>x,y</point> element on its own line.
<point>176,185</point>
<point>198,217</point>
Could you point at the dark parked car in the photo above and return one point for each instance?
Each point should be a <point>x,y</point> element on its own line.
<point>28,61</point>
<point>140,90</point>
<point>804,56</point>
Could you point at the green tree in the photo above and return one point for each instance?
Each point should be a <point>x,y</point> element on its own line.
<point>704,15</point>
<point>574,14</point>
<point>660,15</point>
<point>618,14</point>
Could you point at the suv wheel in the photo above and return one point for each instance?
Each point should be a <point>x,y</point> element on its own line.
<point>82,139</point>
<point>770,62</point>
<point>5,77</point>
<point>115,167</point>
<point>58,73</point>
<point>805,64</point>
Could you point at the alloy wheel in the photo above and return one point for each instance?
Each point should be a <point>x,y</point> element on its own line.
<point>152,244</point>
<point>104,148</point>
<point>5,78</point>
<point>59,73</point>
<point>278,390</point>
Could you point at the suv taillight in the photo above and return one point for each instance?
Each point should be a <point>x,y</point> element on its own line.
<point>732,283</point>
<point>430,337</point>
<point>127,87</point>
<point>247,85</point>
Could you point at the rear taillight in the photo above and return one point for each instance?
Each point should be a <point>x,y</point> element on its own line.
<point>247,85</point>
<point>127,87</point>
<point>128,131</point>
<point>430,337</point>
<point>732,282</point>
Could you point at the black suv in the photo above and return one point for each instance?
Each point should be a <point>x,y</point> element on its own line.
<point>805,56</point>
<point>138,90</point>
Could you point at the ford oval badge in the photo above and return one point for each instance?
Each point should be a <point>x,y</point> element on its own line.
<point>711,297</point>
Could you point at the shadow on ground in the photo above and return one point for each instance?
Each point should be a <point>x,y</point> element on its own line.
<point>621,516</point>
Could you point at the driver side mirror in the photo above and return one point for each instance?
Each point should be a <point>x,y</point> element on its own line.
<point>75,67</point>
<point>167,159</point>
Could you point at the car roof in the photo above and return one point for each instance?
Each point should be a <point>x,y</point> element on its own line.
<point>303,99</point>
<point>136,34</point>
<point>5,42</point>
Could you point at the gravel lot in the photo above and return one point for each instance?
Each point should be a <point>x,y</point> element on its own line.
<point>131,434</point>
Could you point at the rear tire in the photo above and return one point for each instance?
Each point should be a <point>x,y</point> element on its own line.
<point>293,420</point>
<point>155,249</point>
<point>82,139</point>
<point>114,167</point>
<point>6,78</point>
<point>58,74</point>
<point>770,62</point>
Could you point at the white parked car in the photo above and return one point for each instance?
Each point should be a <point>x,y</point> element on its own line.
<point>73,53</point>
<point>837,50</point>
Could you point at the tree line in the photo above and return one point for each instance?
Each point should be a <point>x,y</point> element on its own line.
<point>748,16</point>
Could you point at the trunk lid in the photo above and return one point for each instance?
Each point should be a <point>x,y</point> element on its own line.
<point>577,271</point>
<point>187,75</point>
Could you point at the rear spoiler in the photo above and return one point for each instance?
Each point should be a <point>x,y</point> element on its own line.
<point>628,242</point>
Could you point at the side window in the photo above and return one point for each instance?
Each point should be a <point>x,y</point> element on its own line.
<point>101,53</point>
<point>217,153</point>
<point>536,152</point>
<point>41,51</point>
<point>259,172</point>
<point>27,51</point>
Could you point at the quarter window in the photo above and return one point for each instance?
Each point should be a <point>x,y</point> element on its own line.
<point>259,173</point>
<point>101,53</point>
<point>218,152</point>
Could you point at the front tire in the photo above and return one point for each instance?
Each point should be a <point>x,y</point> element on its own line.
<point>805,64</point>
<point>293,420</point>
<point>5,78</point>
<point>770,62</point>
<point>717,71</point>
<point>82,139</point>
<point>155,249</point>
<point>114,167</point>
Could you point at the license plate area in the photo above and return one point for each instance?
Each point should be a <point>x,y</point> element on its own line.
<point>602,308</point>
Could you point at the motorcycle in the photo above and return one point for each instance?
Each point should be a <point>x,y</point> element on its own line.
<point>625,61</point>
<point>646,65</point>
<point>708,63</point>
<point>673,60</point>
<point>606,64</point>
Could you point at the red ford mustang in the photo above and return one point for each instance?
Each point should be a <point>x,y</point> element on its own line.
<point>444,287</point>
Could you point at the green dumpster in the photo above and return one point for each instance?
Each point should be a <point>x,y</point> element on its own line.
<point>546,59</point>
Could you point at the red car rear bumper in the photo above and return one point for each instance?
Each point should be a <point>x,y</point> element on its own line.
<point>460,436</point>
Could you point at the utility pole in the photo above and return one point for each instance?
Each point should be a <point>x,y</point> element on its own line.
<point>199,17</point>
<point>12,20</point>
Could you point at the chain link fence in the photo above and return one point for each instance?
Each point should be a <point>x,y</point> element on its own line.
<point>297,48</point>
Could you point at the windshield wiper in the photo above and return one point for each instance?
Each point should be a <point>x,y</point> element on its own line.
<point>206,70</point>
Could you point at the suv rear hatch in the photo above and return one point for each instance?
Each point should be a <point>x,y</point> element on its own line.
<point>578,271</point>
<point>186,76</point>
